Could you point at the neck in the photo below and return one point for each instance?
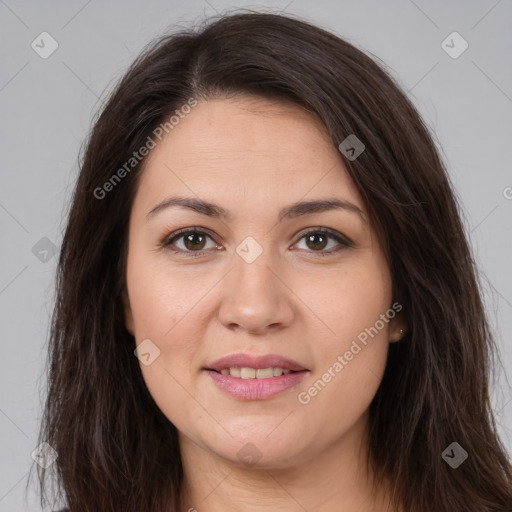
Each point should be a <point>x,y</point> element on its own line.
<point>336,479</point>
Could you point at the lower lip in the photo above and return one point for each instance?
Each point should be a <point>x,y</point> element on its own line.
<point>255,389</point>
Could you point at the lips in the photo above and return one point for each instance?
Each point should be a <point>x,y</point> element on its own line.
<point>251,377</point>
<point>241,360</point>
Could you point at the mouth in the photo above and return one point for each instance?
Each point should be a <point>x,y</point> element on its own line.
<point>255,377</point>
<point>247,373</point>
<point>250,366</point>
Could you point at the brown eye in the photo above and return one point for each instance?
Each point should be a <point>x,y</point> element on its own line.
<point>194,241</point>
<point>189,241</point>
<point>316,241</point>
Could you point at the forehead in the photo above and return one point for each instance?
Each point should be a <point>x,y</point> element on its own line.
<point>262,149</point>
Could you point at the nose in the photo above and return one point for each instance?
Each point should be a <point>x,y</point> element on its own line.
<point>255,297</point>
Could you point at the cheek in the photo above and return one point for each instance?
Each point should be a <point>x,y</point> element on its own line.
<point>167,311</point>
<point>351,354</point>
<point>166,307</point>
<point>161,297</point>
<point>348,303</point>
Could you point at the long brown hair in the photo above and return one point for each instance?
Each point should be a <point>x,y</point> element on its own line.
<point>116,449</point>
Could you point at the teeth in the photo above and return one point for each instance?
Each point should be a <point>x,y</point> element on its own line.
<point>235,372</point>
<point>264,373</point>
<point>253,373</point>
<point>248,373</point>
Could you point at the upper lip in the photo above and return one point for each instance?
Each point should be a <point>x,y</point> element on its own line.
<point>254,361</point>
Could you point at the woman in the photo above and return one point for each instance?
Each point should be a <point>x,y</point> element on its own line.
<point>266,297</point>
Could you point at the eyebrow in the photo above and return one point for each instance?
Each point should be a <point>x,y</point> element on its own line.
<point>290,212</point>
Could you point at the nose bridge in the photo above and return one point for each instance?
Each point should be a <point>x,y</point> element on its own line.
<point>252,277</point>
<point>252,270</point>
<point>253,297</point>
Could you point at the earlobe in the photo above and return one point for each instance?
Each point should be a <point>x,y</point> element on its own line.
<point>397,328</point>
<point>397,333</point>
<point>128,315</point>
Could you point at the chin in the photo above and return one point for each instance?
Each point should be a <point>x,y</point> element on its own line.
<point>259,451</point>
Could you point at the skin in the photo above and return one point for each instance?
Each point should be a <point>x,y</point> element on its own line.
<point>253,157</point>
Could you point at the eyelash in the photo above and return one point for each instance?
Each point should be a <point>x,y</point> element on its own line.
<point>169,240</point>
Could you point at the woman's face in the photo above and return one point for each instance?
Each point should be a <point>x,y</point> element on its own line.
<point>257,278</point>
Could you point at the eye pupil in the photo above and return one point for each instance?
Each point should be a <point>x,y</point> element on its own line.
<point>311,237</point>
<point>190,238</point>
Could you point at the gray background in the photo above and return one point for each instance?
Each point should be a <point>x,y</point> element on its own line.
<point>47,106</point>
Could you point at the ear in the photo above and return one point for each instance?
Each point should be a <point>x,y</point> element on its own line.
<point>128,315</point>
<point>397,328</point>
